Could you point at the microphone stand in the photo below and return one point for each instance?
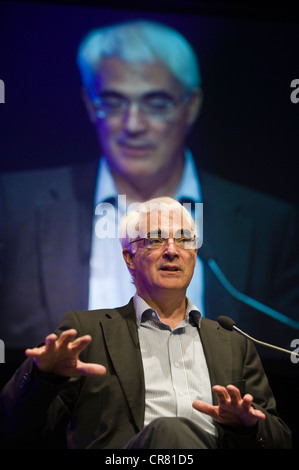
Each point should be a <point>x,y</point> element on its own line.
<point>228,324</point>
<point>214,267</point>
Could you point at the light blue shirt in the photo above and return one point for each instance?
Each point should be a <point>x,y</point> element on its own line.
<point>110,282</point>
<point>175,368</point>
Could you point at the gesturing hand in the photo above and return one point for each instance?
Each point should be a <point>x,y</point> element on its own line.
<point>232,409</point>
<point>60,356</point>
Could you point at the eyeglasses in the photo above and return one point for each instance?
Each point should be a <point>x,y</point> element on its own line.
<point>156,105</point>
<point>158,242</point>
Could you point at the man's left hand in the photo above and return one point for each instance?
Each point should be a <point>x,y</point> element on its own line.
<point>232,409</point>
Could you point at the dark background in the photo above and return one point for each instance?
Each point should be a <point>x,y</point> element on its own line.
<point>248,131</point>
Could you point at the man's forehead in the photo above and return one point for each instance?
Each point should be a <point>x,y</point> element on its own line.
<point>122,76</point>
<point>160,220</point>
<point>170,221</point>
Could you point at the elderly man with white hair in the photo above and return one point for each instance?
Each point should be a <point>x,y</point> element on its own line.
<point>153,374</point>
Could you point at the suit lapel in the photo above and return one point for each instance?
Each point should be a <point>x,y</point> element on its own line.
<point>218,351</point>
<point>63,236</point>
<point>121,336</point>
<point>83,185</point>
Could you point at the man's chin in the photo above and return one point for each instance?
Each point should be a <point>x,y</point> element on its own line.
<point>143,164</point>
<point>172,283</point>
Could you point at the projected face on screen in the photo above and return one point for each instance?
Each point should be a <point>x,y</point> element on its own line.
<point>142,91</point>
<point>145,117</point>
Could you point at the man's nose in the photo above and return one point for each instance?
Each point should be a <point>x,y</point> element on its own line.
<point>133,119</point>
<point>170,249</point>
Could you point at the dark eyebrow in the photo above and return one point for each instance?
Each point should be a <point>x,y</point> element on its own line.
<point>183,233</point>
<point>157,233</point>
<point>180,233</point>
<point>157,94</point>
<point>113,93</point>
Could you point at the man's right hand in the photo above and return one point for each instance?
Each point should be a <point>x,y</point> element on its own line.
<point>60,355</point>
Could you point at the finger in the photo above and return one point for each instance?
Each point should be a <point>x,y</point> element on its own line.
<point>248,408</point>
<point>205,408</point>
<point>66,337</point>
<point>50,341</point>
<point>247,401</point>
<point>33,352</point>
<point>80,344</point>
<point>90,369</point>
<point>258,414</point>
<point>221,393</point>
<point>234,394</point>
<point>247,405</point>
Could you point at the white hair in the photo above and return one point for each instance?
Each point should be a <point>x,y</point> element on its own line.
<point>139,41</point>
<point>132,227</point>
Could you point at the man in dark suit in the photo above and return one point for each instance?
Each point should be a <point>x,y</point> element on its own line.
<point>143,101</point>
<point>140,376</point>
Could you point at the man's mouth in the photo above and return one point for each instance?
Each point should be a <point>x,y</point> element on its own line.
<point>134,147</point>
<point>171,268</point>
<point>134,142</point>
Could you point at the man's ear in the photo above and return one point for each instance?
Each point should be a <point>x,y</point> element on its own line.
<point>129,260</point>
<point>88,105</point>
<point>195,105</point>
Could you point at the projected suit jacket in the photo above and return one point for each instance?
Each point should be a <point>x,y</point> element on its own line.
<point>45,242</point>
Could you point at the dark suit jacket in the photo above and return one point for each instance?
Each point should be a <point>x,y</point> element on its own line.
<point>45,239</point>
<point>106,411</point>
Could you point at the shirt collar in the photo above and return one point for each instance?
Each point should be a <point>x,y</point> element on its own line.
<point>142,307</point>
<point>189,187</point>
<point>106,188</point>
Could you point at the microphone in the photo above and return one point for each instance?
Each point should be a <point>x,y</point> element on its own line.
<point>229,324</point>
<point>208,259</point>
